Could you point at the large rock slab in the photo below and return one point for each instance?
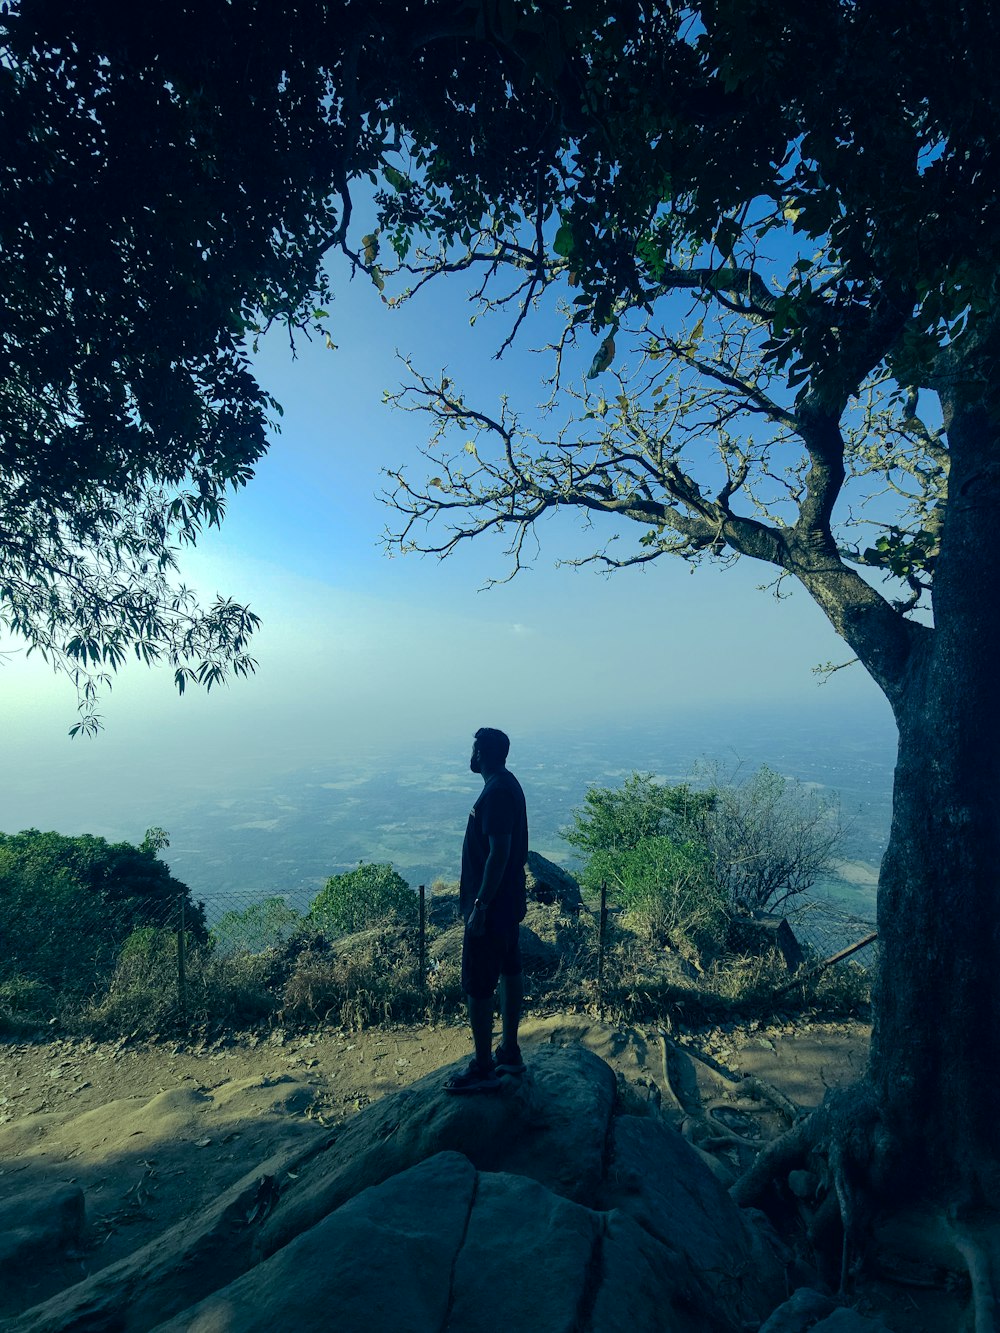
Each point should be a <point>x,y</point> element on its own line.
<point>382,1263</point>
<point>656,1177</point>
<point>552,1127</point>
<point>541,1205</point>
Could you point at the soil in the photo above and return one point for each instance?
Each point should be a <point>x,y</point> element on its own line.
<point>152,1132</point>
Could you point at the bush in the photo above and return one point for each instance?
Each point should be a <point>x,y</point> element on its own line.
<point>262,925</point>
<point>769,838</point>
<point>367,896</point>
<point>620,819</point>
<point>371,979</point>
<point>68,903</point>
<point>666,890</point>
<point>142,996</point>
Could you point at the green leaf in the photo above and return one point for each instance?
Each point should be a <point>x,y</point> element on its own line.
<point>564,243</point>
<point>396,178</point>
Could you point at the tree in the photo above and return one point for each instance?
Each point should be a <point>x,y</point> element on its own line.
<point>813,189</point>
<point>169,187</point>
<point>769,839</point>
<point>367,896</point>
<point>68,903</point>
<point>686,860</point>
<point>620,818</point>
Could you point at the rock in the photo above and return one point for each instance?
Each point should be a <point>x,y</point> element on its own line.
<point>381,1263</point>
<point>799,1312</point>
<point>191,1258</point>
<point>552,1126</point>
<point>548,883</point>
<point>40,1226</point>
<point>657,1178</point>
<point>416,1214</point>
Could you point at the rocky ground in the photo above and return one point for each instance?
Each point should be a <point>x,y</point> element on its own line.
<point>106,1147</point>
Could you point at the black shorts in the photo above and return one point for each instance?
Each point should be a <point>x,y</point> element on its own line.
<point>486,957</point>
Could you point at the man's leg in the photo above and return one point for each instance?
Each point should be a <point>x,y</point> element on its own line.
<point>481,1022</point>
<point>511,995</point>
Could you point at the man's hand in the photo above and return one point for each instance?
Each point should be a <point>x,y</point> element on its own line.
<point>476,924</point>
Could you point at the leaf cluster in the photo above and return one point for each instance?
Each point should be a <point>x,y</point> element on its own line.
<point>361,898</point>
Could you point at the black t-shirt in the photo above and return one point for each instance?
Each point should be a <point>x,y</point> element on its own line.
<point>500,809</point>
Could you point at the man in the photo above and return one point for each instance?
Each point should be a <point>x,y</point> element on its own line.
<point>492,899</point>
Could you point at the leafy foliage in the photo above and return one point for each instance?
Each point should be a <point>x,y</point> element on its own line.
<point>170,186</point>
<point>362,898</point>
<point>683,860</point>
<point>68,903</point>
<point>260,926</point>
<point>620,818</point>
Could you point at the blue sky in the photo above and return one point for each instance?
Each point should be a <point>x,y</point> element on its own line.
<point>360,649</point>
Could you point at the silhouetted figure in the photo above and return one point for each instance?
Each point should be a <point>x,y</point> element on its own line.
<point>492,899</point>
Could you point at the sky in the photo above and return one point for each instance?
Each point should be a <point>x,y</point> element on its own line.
<point>360,650</point>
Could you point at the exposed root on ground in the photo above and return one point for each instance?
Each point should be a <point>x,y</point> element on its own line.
<point>836,1169</point>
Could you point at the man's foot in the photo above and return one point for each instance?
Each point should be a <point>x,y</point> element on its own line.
<point>508,1060</point>
<point>473,1080</point>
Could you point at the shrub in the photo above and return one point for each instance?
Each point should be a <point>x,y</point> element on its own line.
<point>143,996</point>
<point>262,925</point>
<point>362,898</point>
<point>370,979</point>
<point>769,838</point>
<point>666,890</point>
<point>619,819</point>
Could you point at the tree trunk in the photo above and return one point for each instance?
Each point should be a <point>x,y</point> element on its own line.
<point>935,1059</point>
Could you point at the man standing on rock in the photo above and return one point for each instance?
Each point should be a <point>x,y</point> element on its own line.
<point>492,898</point>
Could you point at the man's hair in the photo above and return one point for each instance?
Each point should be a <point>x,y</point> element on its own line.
<point>494,745</point>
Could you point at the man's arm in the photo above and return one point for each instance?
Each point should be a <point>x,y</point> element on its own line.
<point>496,864</point>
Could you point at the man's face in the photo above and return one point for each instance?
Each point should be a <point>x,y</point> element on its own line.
<point>475,763</point>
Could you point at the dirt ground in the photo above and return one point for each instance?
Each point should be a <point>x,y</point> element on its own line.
<point>153,1132</point>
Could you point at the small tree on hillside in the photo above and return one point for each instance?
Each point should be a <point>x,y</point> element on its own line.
<point>370,895</point>
<point>68,903</point>
<point>769,839</point>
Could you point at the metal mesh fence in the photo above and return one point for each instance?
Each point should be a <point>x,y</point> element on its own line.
<point>72,946</point>
<point>826,929</point>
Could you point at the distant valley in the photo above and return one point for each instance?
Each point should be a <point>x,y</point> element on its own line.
<point>287,835</point>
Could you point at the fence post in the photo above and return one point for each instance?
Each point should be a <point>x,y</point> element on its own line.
<point>182,961</point>
<point>422,940</point>
<point>600,949</point>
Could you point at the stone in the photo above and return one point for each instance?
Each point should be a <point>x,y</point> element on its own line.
<point>527,1257</point>
<point>548,883</point>
<point>426,1213</point>
<point>654,1176</point>
<point>40,1226</point>
<point>552,1126</point>
<point>800,1312</point>
<point>382,1263</point>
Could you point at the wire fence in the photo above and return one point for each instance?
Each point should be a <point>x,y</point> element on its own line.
<point>79,946</point>
<point>826,929</point>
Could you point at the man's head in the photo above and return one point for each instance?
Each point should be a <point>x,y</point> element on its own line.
<point>489,750</point>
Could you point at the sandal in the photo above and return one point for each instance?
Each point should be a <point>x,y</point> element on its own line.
<point>473,1080</point>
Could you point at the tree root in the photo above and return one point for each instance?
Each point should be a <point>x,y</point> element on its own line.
<point>978,1242</point>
